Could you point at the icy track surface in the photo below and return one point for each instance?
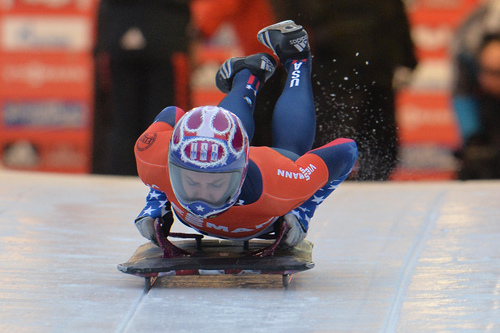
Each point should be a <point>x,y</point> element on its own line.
<point>390,257</point>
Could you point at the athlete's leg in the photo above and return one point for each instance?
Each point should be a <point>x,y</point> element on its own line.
<point>241,78</point>
<point>241,99</point>
<point>294,118</point>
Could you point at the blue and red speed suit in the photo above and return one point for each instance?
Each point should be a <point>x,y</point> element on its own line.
<point>288,177</point>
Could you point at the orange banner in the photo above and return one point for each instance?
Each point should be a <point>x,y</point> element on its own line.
<point>67,7</point>
<point>46,80</point>
<point>427,126</point>
<point>425,118</point>
<point>51,74</point>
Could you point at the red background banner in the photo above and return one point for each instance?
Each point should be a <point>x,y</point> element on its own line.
<point>46,80</point>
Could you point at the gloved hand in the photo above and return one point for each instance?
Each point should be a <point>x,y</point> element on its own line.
<point>296,232</point>
<point>145,224</point>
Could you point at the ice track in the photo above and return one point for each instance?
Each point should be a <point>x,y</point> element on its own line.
<point>390,257</point>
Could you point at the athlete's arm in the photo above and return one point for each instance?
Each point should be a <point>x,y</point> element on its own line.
<point>151,151</point>
<point>166,119</point>
<point>339,156</point>
<point>157,206</point>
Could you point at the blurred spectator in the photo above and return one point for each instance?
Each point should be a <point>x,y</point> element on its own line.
<point>476,92</point>
<point>246,17</point>
<point>141,68</point>
<point>358,46</point>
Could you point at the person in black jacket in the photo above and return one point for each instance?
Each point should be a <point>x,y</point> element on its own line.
<point>476,92</point>
<point>138,47</point>
<point>358,45</point>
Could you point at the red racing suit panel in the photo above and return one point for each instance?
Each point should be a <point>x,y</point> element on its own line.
<point>286,183</point>
<point>151,153</point>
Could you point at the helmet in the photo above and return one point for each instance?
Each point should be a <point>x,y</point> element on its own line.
<point>208,160</point>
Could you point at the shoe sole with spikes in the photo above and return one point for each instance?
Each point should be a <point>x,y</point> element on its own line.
<point>286,39</point>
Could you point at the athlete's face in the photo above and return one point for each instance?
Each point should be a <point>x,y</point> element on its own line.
<point>489,76</point>
<point>207,187</point>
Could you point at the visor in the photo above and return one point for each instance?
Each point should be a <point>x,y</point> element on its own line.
<point>213,188</point>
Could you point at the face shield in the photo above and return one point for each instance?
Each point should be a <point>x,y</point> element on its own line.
<point>213,188</point>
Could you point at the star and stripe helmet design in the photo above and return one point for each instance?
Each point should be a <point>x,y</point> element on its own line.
<point>208,159</point>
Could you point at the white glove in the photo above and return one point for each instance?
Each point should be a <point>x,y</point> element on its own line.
<point>295,233</point>
<point>146,226</point>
